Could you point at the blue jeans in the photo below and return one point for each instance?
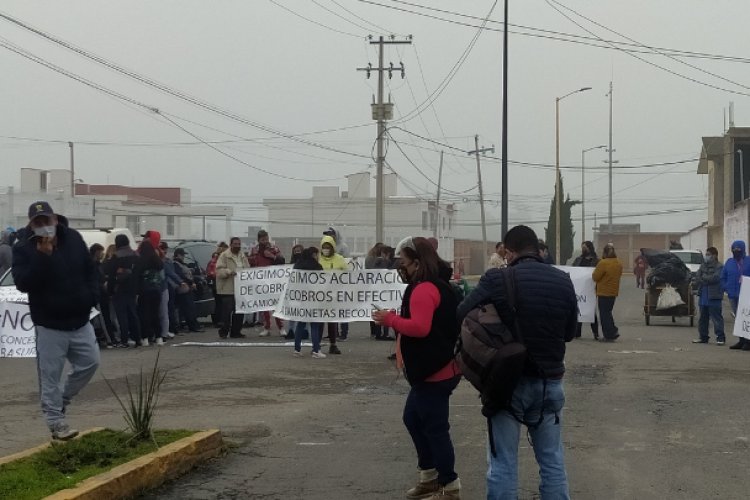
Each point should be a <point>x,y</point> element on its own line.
<point>426,419</point>
<point>316,330</point>
<point>714,313</point>
<point>546,439</point>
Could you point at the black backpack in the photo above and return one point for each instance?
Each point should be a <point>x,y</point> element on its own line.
<point>491,355</point>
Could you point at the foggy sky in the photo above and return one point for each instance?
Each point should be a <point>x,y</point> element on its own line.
<point>278,70</point>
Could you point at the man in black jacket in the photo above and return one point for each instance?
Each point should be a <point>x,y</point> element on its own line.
<point>123,274</point>
<point>52,265</point>
<point>546,311</point>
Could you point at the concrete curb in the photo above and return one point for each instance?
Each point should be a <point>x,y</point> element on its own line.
<point>148,471</point>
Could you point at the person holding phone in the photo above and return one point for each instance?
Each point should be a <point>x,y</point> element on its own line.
<point>427,332</point>
<point>52,265</point>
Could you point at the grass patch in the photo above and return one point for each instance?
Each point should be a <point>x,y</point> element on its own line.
<point>63,465</point>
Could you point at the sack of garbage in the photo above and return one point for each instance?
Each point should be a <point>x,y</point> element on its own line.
<point>666,268</point>
<point>669,298</point>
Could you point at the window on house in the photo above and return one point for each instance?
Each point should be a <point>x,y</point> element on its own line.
<point>424,220</point>
<point>131,222</point>
<point>43,182</point>
<point>170,225</point>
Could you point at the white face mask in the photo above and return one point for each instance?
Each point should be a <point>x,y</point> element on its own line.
<point>326,252</point>
<point>45,231</point>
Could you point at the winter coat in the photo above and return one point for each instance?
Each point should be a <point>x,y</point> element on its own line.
<point>227,264</point>
<point>335,261</point>
<point>734,270</point>
<point>62,287</point>
<point>306,262</point>
<point>497,262</point>
<point>268,255</point>
<point>586,261</point>
<point>122,272</point>
<point>607,277</point>
<point>708,279</point>
<point>546,310</point>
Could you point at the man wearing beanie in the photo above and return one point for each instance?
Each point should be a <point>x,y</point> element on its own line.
<point>122,283</point>
<point>52,265</point>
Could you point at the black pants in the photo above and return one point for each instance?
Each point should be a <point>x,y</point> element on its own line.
<point>186,305</point>
<point>378,331</point>
<point>594,328</point>
<point>606,304</point>
<point>231,324</point>
<point>127,317</point>
<point>148,308</point>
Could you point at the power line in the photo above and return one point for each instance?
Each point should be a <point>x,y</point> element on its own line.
<point>312,21</point>
<point>377,28</point>
<point>596,42</point>
<point>646,61</point>
<point>340,16</point>
<point>168,90</point>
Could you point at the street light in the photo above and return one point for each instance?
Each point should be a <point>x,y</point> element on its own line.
<point>583,188</point>
<point>557,169</point>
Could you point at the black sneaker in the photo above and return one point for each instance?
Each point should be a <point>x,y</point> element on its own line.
<point>238,336</point>
<point>386,338</point>
<point>333,350</point>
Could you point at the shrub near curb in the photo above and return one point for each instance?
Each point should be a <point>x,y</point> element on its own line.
<point>43,470</point>
<point>149,471</point>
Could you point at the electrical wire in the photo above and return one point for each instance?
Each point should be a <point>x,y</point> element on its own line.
<point>596,42</point>
<point>452,73</point>
<point>340,16</point>
<point>168,90</point>
<point>379,28</point>
<point>646,61</point>
<point>312,21</point>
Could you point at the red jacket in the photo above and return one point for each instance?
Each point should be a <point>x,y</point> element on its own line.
<point>264,258</point>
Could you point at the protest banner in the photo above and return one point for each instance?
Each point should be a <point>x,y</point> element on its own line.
<point>355,263</point>
<point>585,291</point>
<point>339,296</point>
<point>742,318</point>
<point>259,288</point>
<point>17,333</point>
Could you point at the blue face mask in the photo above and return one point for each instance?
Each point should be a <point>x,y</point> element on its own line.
<point>709,258</point>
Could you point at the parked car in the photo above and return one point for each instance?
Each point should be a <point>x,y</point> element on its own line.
<point>105,236</point>
<point>692,258</point>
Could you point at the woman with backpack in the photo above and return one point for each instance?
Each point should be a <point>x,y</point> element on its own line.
<point>150,287</point>
<point>427,333</point>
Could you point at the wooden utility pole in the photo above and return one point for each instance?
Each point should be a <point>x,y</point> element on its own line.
<point>476,152</point>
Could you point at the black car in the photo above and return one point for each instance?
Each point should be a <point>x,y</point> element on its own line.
<point>197,256</point>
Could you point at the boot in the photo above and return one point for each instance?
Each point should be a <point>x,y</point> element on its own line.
<point>739,345</point>
<point>427,485</point>
<point>451,491</point>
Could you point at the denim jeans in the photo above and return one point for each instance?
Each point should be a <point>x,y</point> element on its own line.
<point>546,439</point>
<point>714,313</point>
<point>316,330</point>
<point>426,418</point>
<point>606,304</point>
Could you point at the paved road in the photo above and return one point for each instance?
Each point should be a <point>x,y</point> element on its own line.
<point>650,417</point>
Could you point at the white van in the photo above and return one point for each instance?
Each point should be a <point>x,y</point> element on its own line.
<point>105,236</point>
<point>692,258</point>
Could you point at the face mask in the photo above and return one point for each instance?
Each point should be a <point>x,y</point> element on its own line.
<point>404,275</point>
<point>326,252</point>
<point>737,253</point>
<point>709,258</point>
<point>45,231</point>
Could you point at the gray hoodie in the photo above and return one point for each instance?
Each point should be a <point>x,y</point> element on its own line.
<point>6,252</point>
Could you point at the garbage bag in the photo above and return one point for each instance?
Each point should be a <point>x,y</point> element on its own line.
<point>669,298</point>
<point>666,268</point>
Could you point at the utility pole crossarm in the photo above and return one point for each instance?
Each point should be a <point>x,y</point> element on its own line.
<point>381,113</point>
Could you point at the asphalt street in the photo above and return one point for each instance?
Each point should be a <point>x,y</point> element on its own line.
<point>651,416</point>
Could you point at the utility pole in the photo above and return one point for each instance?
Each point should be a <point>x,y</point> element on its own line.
<point>437,201</point>
<point>504,168</point>
<point>72,172</point>
<point>610,151</point>
<point>476,152</point>
<point>381,112</point>
<point>583,189</point>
